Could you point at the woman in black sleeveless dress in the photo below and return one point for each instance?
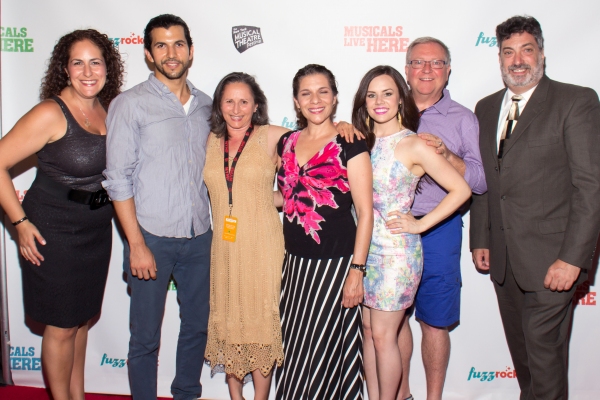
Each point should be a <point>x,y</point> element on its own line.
<point>65,210</point>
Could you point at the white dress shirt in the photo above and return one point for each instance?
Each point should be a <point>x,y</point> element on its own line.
<point>506,103</point>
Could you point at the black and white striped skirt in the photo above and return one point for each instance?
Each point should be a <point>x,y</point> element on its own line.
<point>322,341</point>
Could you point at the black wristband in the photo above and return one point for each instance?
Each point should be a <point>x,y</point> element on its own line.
<point>19,221</point>
<point>361,267</point>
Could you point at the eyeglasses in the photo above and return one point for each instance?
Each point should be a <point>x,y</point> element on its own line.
<point>420,64</point>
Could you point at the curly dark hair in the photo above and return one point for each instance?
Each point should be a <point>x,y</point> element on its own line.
<point>313,69</point>
<point>55,79</point>
<point>260,117</point>
<point>408,109</point>
<point>520,24</point>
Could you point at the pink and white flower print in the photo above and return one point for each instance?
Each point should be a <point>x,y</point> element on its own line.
<point>308,187</point>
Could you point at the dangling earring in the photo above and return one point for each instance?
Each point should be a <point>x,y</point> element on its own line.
<point>68,81</point>
<point>368,122</point>
<point>399,116</point>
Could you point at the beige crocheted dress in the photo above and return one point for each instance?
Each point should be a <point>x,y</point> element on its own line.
<point>244,332</point>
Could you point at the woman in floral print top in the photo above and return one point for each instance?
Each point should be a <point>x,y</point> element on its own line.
<point>320,177</point>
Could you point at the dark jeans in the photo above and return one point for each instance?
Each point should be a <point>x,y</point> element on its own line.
<point>188,260</point>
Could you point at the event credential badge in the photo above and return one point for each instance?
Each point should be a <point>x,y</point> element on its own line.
<point>230,223</point>
<point>230,228</point>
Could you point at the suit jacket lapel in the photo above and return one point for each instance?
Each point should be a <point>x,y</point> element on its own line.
<point>491,123</point>
<point>535,105</point>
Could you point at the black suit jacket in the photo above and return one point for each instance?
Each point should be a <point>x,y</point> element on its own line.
<point>543,204</point>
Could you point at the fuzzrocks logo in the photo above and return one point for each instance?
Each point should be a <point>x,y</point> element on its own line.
<point>485,40</point>
<point>15,40</point>
<point>172,285</point>
<point>131,39</point>
<point>376,39</point>
<point>488,376</point>
<point>24,359</point>
<point>245,37</point>
<point>289,124</point>
<point>583,296</point>
<point>113,362</point>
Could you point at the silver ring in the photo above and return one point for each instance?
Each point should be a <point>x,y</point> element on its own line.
<point>439,144</point>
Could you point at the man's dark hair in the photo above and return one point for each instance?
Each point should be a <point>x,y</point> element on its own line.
<point>165,21</point>
<point>519,24</point>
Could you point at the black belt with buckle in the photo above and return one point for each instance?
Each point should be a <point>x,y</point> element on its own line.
<point>95,199</point>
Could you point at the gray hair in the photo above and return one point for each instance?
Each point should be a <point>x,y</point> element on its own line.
<point>425,40</point>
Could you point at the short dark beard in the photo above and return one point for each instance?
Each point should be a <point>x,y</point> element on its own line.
<point>176,75</point>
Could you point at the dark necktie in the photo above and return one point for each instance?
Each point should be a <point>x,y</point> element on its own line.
<point>510,123</point>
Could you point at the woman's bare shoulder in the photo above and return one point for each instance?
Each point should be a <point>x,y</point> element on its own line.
<point>277,131</point>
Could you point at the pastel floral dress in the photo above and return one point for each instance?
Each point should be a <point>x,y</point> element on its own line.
<point>322,340</point>
<point>395,261</point>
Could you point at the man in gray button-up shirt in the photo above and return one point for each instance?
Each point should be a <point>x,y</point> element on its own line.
<point>156,150</point>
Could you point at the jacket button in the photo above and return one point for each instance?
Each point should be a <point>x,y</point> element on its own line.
<point>501,228</point>
<point>503,197</point>
<point>496,168</point>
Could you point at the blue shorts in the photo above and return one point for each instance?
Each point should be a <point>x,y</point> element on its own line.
<point>438,299</point>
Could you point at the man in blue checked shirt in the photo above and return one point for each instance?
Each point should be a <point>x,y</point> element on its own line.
<point>157,133</point>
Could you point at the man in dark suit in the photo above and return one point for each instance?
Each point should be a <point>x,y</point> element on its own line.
<point>537,227</point>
